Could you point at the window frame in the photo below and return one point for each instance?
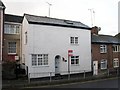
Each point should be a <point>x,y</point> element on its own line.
<point>116,48</point>
<point>103,61</point>
<point>75,60</point>
<point>11,29</point>
<point>103,48</point>
<point>74,40</point>
<point>41,60</point>
<point>9,48</point>
<point>115,60</point>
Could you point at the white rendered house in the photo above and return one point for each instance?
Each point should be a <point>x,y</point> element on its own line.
<point>55,45</point>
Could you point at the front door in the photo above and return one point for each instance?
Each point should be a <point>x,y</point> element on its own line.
<point>57,64</point>
<point>95,67</point>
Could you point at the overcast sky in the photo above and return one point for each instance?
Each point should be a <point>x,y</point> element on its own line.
<point>105,16</point>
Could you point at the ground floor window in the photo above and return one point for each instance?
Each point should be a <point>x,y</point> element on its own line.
<point>11,47</point>
<point>74,60</point>
<point>39,59</point>
<point>103,64</point>
<point>115,62</point>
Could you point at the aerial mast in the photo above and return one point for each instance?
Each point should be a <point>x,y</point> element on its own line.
<point>92,12</point>
<point>49,8</point>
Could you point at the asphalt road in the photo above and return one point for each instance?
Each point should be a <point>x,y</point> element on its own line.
<point>105,83</point>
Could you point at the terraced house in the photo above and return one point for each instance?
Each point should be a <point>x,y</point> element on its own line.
<point>55,45</point>
<point>105,51</point>
<point>50,46</point>
<point>12,38</point>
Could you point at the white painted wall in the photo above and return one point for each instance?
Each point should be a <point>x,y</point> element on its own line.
<point>119,17</point>
<point>1,30</point>
<point>24,47</point>
<point>53,40</point>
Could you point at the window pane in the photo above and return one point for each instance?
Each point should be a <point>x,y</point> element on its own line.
<point>74,40</point>
<point>74,59</point>
<point>39,59</point>
<point>103,48</point>
<point>103,64</point>
<point>11,47</point>
<point>11,29</point>
<point>34,60</point>
<point>116,62</point>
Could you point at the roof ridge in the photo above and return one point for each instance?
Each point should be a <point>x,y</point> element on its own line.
<point>14,15</point>
<point>105,35</point>
<point>54,18</point>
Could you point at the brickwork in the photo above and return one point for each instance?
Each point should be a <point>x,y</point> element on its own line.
<point>109,56</point>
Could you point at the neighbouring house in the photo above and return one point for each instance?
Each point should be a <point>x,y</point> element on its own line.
<point>105,52</point>
<point>55,45</point>
<point>2,8</point>
<point>12,38</point>
<point>12,47</point>
<point>118,36</point>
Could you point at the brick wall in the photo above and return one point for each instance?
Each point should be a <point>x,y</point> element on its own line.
<point>109,56</point>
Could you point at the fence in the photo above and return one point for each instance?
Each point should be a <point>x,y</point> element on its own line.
<point>81,75</point>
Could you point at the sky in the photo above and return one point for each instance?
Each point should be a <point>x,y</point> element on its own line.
<point>104,12</point>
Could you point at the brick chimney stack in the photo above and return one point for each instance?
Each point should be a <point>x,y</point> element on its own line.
<point>95,30</point>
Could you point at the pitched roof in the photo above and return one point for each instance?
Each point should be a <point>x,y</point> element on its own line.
<point>118,35</point>
<point>13,18</point>
<point>1,4</point>
<point>105,39</point>
<point>32,19</point>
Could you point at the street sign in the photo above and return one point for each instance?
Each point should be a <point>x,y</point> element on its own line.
<point>16,57</point>
<point>70,52</point>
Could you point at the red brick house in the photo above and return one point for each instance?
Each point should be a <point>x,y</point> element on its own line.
<point>12,38</point>
<point>105,51</point>
<point>2,8</point>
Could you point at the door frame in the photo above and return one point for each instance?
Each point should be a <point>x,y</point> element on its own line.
<point>95,67</point>
<point>57,68</point>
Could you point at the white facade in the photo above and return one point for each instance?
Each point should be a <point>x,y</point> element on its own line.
<point>53,41</point>
<point>119,17</point>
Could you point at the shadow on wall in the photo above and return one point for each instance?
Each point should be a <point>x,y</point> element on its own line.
<point>12,70</point>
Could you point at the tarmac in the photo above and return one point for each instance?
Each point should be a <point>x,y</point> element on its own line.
<point>24,82</point>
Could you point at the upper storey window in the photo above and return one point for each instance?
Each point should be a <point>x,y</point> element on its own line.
<point>103,48</point>
<point>11,29</point>
<point>74,40</point>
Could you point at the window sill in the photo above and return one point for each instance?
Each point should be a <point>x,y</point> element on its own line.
<point>75,65</point>
<point>103,52</point>
<point>116,66</point>
<point>74,44</point>
<point>11,53</point>
<point>40,66</point>
<point>116,51</point>
<point>103,68</point>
